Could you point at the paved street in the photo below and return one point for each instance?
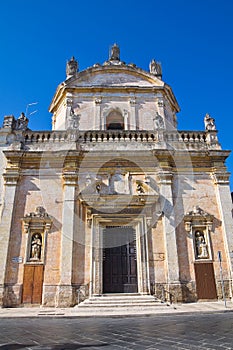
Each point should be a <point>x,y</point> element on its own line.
<point>181,331</point>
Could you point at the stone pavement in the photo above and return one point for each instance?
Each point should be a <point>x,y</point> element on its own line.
<point>182,331</point>
<point>160,309</point>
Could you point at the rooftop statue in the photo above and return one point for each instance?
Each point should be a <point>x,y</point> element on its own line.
<point>22,122</point>
<point>209,122</point>
<point>71,66</point>
<point>115,53</point>
<point>155,68</point>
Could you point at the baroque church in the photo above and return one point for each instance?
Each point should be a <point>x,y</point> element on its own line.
<point>114,199</point>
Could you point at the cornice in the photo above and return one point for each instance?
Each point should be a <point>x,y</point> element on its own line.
<point>157,84</point>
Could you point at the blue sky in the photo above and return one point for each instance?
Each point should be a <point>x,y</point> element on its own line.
<point>192,40</point>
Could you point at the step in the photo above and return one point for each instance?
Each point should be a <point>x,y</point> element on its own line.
<point>120,301</point>
<point>125,305</point>
<point>123,297</point>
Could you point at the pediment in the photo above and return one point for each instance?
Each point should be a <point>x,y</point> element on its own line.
<point>117,77</point>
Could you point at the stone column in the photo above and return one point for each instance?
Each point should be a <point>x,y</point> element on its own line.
<point>142,258</point>
<point>224,201</point>
<point>169,227</point>
<point>11,179</point>
<point>65,296</point>
<point>96,259</point>
<point>97,122</point>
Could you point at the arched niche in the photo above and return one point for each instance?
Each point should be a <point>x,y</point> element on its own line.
<point>115,120</point>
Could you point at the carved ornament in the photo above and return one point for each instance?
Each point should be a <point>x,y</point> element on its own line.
<point>198,216</point>
<point>39,221</point>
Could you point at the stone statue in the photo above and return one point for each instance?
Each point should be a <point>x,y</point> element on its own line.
<point>39,212</point>
<point>158,121</point>
<point>209,122</point>
<point>201,246</point>
<point>22,122</point>
<point>36,247</point>
<point>73,121</point>
<point>155,68</point>
<point>71,67</point>
<point>115,53</point>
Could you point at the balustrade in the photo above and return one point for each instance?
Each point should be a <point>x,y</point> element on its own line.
<point>192,139</point>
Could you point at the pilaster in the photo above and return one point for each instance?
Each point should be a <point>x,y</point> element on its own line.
<point>11,177</point>
<point>65,291</point>
<point>97,121</point>
<point>168,218</point>
<point>133,122</point>
<point>223,195</point>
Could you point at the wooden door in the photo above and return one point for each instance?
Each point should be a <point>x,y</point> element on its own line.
<point>205,281</point>
<point>119,264</point>
<point>32,284</point>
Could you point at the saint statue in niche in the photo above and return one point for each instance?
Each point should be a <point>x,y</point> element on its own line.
<point>201,246</point>
<point>36,245</point>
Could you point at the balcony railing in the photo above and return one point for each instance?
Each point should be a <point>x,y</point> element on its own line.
<point>193,139</point>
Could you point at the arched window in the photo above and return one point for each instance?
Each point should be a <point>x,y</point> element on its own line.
<point>115,121</point>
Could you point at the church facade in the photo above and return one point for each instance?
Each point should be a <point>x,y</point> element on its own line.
<point>114,199</point>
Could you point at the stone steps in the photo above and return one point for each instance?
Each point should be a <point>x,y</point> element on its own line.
<point>120,302</point>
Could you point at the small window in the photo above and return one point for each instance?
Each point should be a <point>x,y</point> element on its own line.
<point>115,121</point>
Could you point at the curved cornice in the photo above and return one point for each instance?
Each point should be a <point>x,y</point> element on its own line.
<point>71,84</point>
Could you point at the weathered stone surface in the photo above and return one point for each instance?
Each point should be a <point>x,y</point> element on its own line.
<point>110,163</point>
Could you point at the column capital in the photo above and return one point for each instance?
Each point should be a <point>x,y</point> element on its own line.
<point>221,178</point>
<point>70,178</point>
<point>11,177</point>
<point>98,100</point>
<point>133,101</point>
<point>165,178</point>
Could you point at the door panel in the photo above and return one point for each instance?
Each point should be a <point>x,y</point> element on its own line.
<point>205,281</point>
<point>120,265</point>
<point>28,283</point>
<point>32,284</point>
<point>37,285</point>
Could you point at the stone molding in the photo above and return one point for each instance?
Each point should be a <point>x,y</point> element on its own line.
<point>165,178</point>
<point>37,220</point>
<point>11,178</point>
<point>221,178</point>
<point>198,216</point>
<point>70,178</point>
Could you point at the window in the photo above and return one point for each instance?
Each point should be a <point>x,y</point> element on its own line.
<point>115,121</point>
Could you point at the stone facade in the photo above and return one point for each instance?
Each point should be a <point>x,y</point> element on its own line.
<point>113,172</point>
